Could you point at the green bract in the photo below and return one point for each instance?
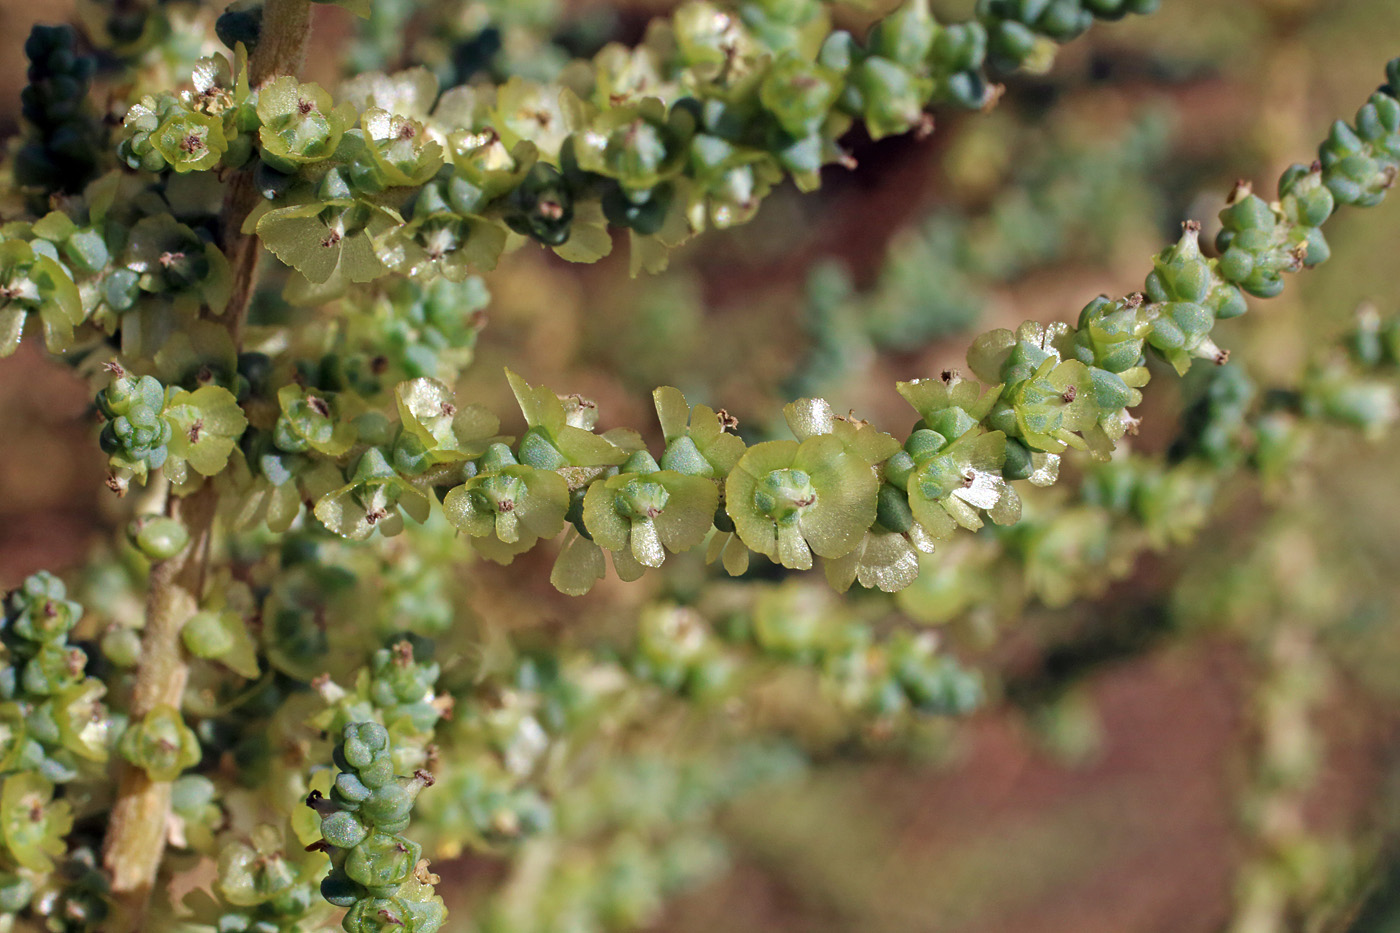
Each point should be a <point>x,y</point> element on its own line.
<point>32,822</point>
<point>640,515</point>
<point>299,123</point>
<point>560,437</point>
<point>508,507</point>
<point>160,744</point>
<point>33,282</point>
<point>790,500</point>
<point>435,430</point>
<point>953,482</point>
<point>205,424</point>
<point>372,500</point>
<point>327,237</point>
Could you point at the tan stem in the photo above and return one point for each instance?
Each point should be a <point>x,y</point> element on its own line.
<point>286,27</point>
<point>136,834</point>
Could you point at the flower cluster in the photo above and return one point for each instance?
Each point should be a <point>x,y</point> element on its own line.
<point>843,490</point>
<point>189,435</point>
<point>687,131</point>
<point>56,729</point>
<point>64,146</point>
<point>376,872</point>
<point>1062,550</point>
<point>54,713</point>
<point>285,431</point>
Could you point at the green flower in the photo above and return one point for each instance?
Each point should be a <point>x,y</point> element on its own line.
<point>640,515</point>
<point>1055,405</point>
<point>312,420</point>
<point>299,123</point>
<point>1111,335</point>
<point>508,507</point>
<point>85,726</point>
<point>400,148</point>
<point>800,93</point>
<point>952,483</point>
<point>161,744</point>
<point>257,871</point>
<point>1003,357</point>
<point>529,112</point>
<point>887,96</point>
<point>221,634</point>
<point>170,259</point>
<point>698,443</point>
<point>542,206</point>
<point>135,435</point>
<point>812,417</point>
<point>189,141</point>
<point>205,425</point>
<point>32,822</point>
<point>435,430</point>
<point>374,500</point>
<point>441,242</point>
<point>483,167</point>
<point>638,145</point>
<point>559,438</point>
<point>790,500</point>
<point>885,556</point>
<point>40,611</point>
<point>31,281</point>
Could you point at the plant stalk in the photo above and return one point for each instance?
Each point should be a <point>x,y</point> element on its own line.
<point>281,49</point>
<point>136,835</point>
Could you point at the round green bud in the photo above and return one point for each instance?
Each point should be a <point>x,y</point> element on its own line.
<point>923,444</point>
<point>378,772</point>
<point>892,509</point>
<point>205,636</point>
<point>339,890</point>
<point>159,537</point>
<point>121,646</point>
<point>343,829</point>
<point>898,468</point>
<point>1236,264</point>
<point>388,804</point>
<point>382,860</point>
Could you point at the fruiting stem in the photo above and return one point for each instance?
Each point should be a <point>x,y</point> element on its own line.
<point>281,48</point>
<point>136,834</point>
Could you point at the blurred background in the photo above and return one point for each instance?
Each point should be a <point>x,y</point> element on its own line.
<point>1212,741</point>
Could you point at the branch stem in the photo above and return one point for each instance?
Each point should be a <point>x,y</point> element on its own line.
<point>136,835</point>
<point>281,48</point>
